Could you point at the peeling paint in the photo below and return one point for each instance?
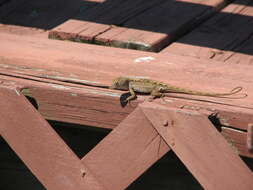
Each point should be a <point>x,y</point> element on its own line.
<point>73,80</point>
<point>60,87</point>
<point>73,94</point>
<point>105,93</point>
<point>73,75</point>
<point>26,91</point>
<point>17,92</point>
<point>188,112</point>
<point>7,66</point>
<point>144,59</point>
<point>138,77</point>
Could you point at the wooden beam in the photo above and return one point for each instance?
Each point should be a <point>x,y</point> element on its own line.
<point>99,65</point>
<point>57,82</point>
<point>200,147</point>
<point>39,146</point>
<point>127,152</point>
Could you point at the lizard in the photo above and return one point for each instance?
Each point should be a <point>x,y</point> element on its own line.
<point>158,89</point>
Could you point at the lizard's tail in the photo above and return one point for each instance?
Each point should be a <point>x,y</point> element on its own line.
<point>235,90</point>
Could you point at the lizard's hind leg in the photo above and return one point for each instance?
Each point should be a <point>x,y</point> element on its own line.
<point>156,94</point>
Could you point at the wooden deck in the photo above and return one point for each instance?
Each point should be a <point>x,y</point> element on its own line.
<point>199,45</point>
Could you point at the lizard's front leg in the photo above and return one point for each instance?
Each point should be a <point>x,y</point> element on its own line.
<point>156,93</point>
<point>133,94</point>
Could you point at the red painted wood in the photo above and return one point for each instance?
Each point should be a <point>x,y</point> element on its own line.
<point>225,37</point>
<point>99,65</point>
<point>126,152</point>
<point>82,61</point>
<point>80,105</point>
<point>200,147</point>
<point>39,146</point>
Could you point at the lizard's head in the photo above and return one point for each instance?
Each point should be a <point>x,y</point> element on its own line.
<point>120,83</point>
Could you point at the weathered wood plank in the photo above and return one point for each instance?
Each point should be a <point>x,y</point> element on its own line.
<point>123,155</point>
<point>39,146</point>
<point>96,64</point>
<point>88,24</point>
<point>99,65</point>
<point>144,25</point>
<point>224,37</point>
<point>191,136</point>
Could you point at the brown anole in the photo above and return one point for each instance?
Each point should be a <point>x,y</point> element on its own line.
<point>158,89</point>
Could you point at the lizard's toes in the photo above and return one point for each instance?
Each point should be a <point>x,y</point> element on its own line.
<point>151,98</point>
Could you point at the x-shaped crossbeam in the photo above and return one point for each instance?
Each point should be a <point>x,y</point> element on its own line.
<point>130,149</point>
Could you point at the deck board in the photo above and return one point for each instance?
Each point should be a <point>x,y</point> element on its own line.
<point>88,62</point>
<point>226,37</point>
<point>139,24</point>
<point>64,75</point>
<point>21,56</point>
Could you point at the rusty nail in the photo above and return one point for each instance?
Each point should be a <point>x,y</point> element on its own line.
<point>172,123</point>
<point>165,123</point>
<point>250,137</point>
<point>83,173</point>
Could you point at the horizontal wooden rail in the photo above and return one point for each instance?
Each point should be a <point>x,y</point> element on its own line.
<point>54,73</point>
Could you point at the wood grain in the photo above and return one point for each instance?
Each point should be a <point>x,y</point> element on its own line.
<point>129,150</point>
<point>226,37</point>
<point>39,146</point>
<point>98,65</point>
<point>57,82</point>
<point>191,136</point>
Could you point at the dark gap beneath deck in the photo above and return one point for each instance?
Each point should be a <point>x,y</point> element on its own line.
<point>167,173</point>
